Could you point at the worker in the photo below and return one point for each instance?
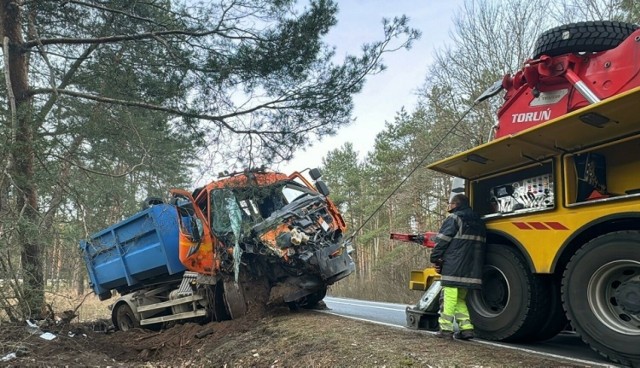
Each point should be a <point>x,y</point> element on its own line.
<point>458,256</point>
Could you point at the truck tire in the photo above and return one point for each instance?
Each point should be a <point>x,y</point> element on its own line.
<point>600,290</point>
<point>582,37</point>
<point>313,299</point>
<point>556,320</point>
<point>124,319</point>
<point>234,299</point>
<point>512,303</point>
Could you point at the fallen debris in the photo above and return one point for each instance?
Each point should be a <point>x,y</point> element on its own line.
<point>8,357</point>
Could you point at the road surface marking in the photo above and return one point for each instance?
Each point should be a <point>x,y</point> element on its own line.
<point>548,355</point>
<point>367,304</point>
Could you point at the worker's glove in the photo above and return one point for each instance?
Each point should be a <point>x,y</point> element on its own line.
<point>438,265</point>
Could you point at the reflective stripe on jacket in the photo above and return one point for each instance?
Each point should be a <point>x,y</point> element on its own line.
<point>460,244</point>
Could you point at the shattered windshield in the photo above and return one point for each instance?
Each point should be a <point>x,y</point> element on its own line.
<point>226,214</point>
<point>293,190</point>
<point>253,203</point>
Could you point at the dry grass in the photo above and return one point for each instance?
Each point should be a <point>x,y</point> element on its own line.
<point>87,307</point>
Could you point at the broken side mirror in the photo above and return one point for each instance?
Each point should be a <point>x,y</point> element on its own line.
<point>322,188</point>
<point>315,174</point>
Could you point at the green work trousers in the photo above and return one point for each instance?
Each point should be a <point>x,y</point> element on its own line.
<point>454,307</point>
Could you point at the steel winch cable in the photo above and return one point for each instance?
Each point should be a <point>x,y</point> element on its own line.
<point>491,91</point>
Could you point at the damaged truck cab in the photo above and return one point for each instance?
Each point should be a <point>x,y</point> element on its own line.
<point>204,253</point>
<point>276,222</point>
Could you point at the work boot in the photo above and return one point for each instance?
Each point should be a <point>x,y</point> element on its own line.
<point>465,335</point>
<point>447,335</point>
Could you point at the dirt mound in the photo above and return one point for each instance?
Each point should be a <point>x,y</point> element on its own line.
<point>97,343</point>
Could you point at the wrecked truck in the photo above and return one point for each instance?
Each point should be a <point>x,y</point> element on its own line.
<point>204,255</point>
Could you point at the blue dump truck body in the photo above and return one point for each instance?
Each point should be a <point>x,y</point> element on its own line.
<point>137,251</point>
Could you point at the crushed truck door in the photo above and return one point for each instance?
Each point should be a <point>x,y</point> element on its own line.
<point>196,243</point>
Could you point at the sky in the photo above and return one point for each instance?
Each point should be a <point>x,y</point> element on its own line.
<point>384,94</point>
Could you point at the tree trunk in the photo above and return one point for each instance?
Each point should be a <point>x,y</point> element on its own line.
<point>80,282</point>
<point>22,156</point>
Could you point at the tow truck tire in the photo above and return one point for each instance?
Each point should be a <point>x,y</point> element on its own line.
<point>124,319</point>
<point>582,37</point>
<point>512,303</point>
<point>600,290</point>
<point>556,320</point>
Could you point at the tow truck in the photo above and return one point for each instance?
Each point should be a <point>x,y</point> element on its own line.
<point>559,190</point>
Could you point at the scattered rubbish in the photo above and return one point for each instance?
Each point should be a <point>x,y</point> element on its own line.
<point>33,328</point>
<point>22,351</point>
<point>8,357</point>
<point>48,336</point>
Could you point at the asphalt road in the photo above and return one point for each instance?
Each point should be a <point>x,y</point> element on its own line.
<point>566,345</point>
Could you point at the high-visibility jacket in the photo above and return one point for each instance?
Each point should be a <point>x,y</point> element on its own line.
<point>460,246</point>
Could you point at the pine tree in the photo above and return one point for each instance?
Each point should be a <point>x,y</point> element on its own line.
<point>108,101</point>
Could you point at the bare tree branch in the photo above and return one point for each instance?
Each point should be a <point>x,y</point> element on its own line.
<point>84,168</point>
<point>57,197</point>
<point>66,79</point>
<point>33,32</point>
<point>111,10</point>
<point>220,119</point>
<point>119,38</point>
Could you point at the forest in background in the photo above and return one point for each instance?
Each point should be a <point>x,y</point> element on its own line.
<point>119,100</point>
<point>108,102</point>
<point>489,39</point>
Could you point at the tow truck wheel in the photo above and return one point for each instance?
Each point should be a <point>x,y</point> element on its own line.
<point>582,37</point>
<point>124,319</point>
<point>556,320</point>
<point>601,294</point>
<point>512,303</point>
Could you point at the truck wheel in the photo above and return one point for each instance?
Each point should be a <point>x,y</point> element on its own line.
<point>512,303</point>
<point>234,299</point>
<point>124,319</point>
<point>313,299</point>
<point>601,294</point>
<point>582,37</point>
<point>556,320</point>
